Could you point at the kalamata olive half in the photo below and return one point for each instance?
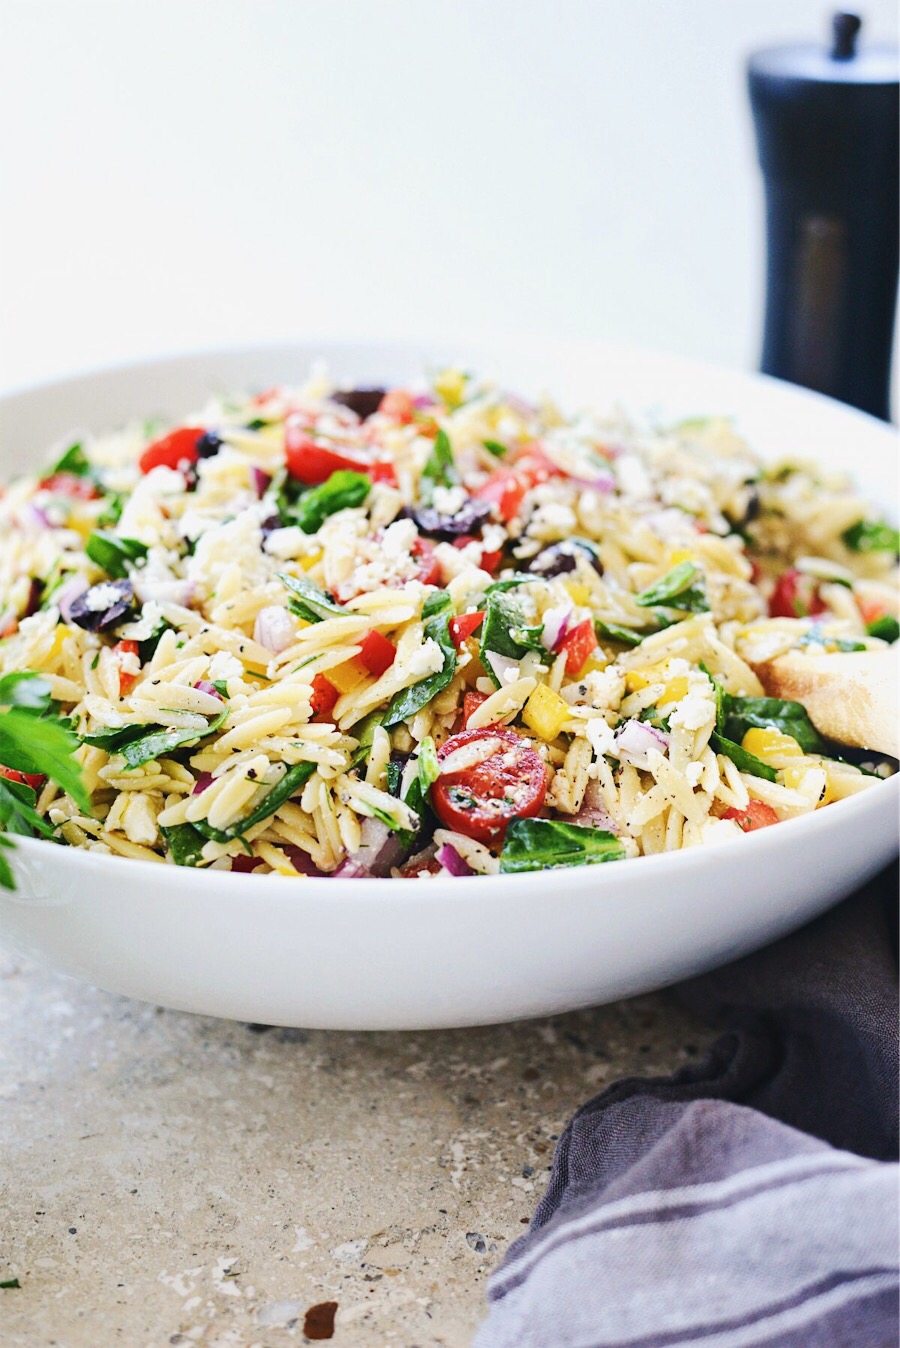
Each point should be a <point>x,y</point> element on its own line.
<point>560,558</point>
<point>103,605</point>
<point>362,401</point>
<point>209,444</point>
<point>467,520</point>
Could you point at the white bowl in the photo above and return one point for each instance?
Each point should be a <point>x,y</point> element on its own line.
<point>388,954</point>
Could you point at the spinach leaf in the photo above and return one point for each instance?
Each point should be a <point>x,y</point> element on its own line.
<point>771,713</point>
<point>429,770</point>
<point>439,470</point>
<point>410,700</point>
<point>743,761</point>
<point>682,588</point>
<point>494,447</point>
<point>73,461</point>
<point>538,844</point>
<point>887,628</point>
<point>114,504</point>
<point>185,844</point>
<point>17,812</point>
<point>161,740</point>
<point>342,490</point>
<point>113,739</point>
<point>289,784</point>
<point>504,624</point>
<point>613,632</point>
<point>311,603</point>
<point>871,536</point>
<point>438,602</point>
<point>510,583</point>
<point>112,553</point>
<point>365,733</point>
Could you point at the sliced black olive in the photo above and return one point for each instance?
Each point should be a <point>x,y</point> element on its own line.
<point>561,558</point>
<point>95,610</point>
<point>209,444</point>
<point>363,401</point>
<point>468,519</point>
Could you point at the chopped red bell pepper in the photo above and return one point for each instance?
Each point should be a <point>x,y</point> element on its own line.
<point>578,645</point>
<point>796,596</point>
<point>324,696</point>
<point>377,653</point>
<point>172,450</point>
<point>471,702</point>
<point>399,404</point>
<point>506,490</point>
<point>756,815</point>
<point>127,679</point>
<point>33,779</point>
<point>461,628</point>
<point>70,484</point>
<point>429,572</point>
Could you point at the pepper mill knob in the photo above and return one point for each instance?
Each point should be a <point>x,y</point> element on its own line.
<point>846,30</point>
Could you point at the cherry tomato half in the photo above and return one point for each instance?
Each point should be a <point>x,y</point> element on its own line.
<point>324,696</point>
<point>796,596</point>
<point>461,628</point>
<point>377,653</point>
<point>500,778</point>
<point>172,450</point>
<point>756,815</point>
<point>578,645</point>
<point>70,484</point>
<point>429,572</point>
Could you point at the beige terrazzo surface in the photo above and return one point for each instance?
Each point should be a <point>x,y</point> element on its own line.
<point>167,1179</point>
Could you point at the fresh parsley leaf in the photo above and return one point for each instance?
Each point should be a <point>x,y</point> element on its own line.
<point>681,588</point>
<point>343,490</point>
<point>311,603</point>
<point>112,553</point>
<point>42,746</point>
<point>887,628</point>
<point>439,470</point>
<point>494,447</point>
<point>289,784</point>
<point>25,689</point>
<point>73,461</point>
<point>538,844</point>
<point>743,761</point>
<point>185,844</point>
<point>410,700</point>
<point>771,713</point>
<point>871,536</point>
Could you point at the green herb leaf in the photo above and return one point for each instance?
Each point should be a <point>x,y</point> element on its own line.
<point>161,740</point>
<point>185,844</point>
<point>113,739</point>
<point>114,504</point>
<point>439,470</point>
<point>871,536</point>
<point>42,746</point>
<point>771,713</point>
<point>364,731</point>
<point>410,700</point>
<point>73,461</point>
<point>343,490</point>
<point>7,881</point>
<point>501,632</point>
<point>113,553</point>
<point>538,844</point>
<point>887,628</point>
<point>494,447</point>
<point>26,689</point>
<point>613,632</point>
<point>509,583</point>
<point>429,770</point>
<point>438,602</point>
<point>743,761</point>
<point>289,784</point>
<point>681,588</point>
<point>311,603</point>
<point>9,1282</point>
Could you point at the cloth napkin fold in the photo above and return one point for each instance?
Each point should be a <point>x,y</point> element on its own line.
<point>750,1198</point>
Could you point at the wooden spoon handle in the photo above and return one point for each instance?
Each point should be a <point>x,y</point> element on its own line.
<point>851,698</point>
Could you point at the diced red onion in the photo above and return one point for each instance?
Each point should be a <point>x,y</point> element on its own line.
<point>67,594</point>
<point>593,812</point>
<point>502,665</point>
<point>519,405</point>
<point>32,515</point>
<point>204,686</point>
<point>637,737</point>
<point>274,628</point>
<point>424,400</point>
<point>302,861</point>
<point>244,864</point>
<point>556,624</point>
<point>35,590</point>
<point>379,848</point>
<point>351,870</point>
<point>604,484</point>
<point>451,861</point>
<point>203,781</point>
<point>261,481</point>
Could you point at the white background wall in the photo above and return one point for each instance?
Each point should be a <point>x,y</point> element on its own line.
<point>191,173</point>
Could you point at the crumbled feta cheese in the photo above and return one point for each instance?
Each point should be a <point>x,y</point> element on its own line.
<point>225,666</point>
<point>693,712</point>
<point>398,538</point>
<point>147,625</point>
<point>448,500</point>
<point>286,543</point>
<point>428,659</point>
<point>600,736</point>
<point>101,597</point>
<point>632,476</point>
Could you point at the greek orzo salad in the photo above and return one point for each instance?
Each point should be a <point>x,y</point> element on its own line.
<point>419,630</point>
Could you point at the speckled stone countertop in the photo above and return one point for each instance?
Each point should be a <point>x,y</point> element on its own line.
<point>167,1179</point>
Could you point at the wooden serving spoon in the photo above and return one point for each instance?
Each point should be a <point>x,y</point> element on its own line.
<point>851,698</point>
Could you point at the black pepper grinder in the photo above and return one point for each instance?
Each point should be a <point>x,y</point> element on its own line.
<point>827,133</point>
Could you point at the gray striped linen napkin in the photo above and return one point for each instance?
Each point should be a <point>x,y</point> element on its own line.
<point>750,1199</point>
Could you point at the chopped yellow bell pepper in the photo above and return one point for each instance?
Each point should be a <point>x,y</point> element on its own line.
<point>675,689</point>
<point>679,555</point>
<point>546,713</point>
<point>312,560</point>
<point>346,677</point>
<point>770,746</point>
<point>578,591</point>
